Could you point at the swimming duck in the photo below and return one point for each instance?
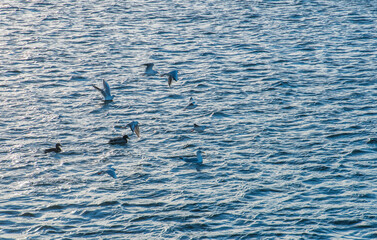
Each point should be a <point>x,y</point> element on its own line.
<point>173,75</point>
<point>121,140</point>
<point>134,126</point>
<point>198,159</point>
<point>56,149</point>
<point>149,69</point>
<point>109,170</point>
<point>105,92</point>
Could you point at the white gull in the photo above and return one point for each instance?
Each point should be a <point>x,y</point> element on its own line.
<point>173,75</point>
<point>105,92</point>
<point>149,69</point>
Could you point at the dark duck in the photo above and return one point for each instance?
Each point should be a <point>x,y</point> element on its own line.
<point>120,140</point>
<point>56,149</point>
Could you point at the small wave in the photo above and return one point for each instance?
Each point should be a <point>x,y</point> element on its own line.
<point>357,152</point>
<point>157,204</point>
<point>191,227</point>
<point>6,223</point>
<point>319,168</point>
<point>361,20</point>
<point>53,207</point>
<point>44,229</point>
<point>202,85</point>
<point>109,203</point>
<point>346,222</point>
<point>145,218</point>
<point>29,214</point>
<point>340,135</point>
<point>10,73</point>
<point>175,96</point>
<point>219,115</point>
<point>95,214</point>
<point>78,78</point>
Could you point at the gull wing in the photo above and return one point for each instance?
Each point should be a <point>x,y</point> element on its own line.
<point>107,88</point>
<point>111,172</point>
<point>170,80</point>
<point>149,67</point>
<point>100,90</point>
<point>134,126</point>
<point>174,75</point>
<point>137,131</point>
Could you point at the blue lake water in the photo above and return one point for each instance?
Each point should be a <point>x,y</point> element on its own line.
<point>287,91</point>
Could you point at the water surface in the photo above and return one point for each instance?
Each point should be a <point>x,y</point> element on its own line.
<point>287,90</point>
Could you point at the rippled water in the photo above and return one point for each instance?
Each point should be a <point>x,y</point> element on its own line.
<point>286,89</point>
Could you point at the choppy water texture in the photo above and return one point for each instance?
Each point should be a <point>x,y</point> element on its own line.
<point>287,90</point>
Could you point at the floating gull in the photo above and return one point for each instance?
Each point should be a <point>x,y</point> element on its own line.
<point>198,128</point>
<point>173,75</point>
<point>109,170</point>
<point>105,92</point>
<point>134,126</point>
<point>149,69</point>
<point>56,149</point>
<point>120,140</point>
<point>191,104</point>
<point>198,159</point>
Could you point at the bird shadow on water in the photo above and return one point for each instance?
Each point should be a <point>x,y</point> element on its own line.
<point>183,165</point>
<point>103,106</point>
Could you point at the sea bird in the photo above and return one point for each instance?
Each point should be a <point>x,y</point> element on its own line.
<point>198,159</point>
<point>119,140</point>
<point>134,126</point>
<point>105,91</point>
<point>198,128</point>
<point>191,104</point>
<point>173,75</point>
<point>149,69</point>
<point>109,170</point>
<point>56,149</point>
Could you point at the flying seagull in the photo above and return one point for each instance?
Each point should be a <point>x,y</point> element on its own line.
<point>105,92</point>
<point>173,75</point>
<point>149,69</point>
<point>109,170</point>
<point>134,126</point>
